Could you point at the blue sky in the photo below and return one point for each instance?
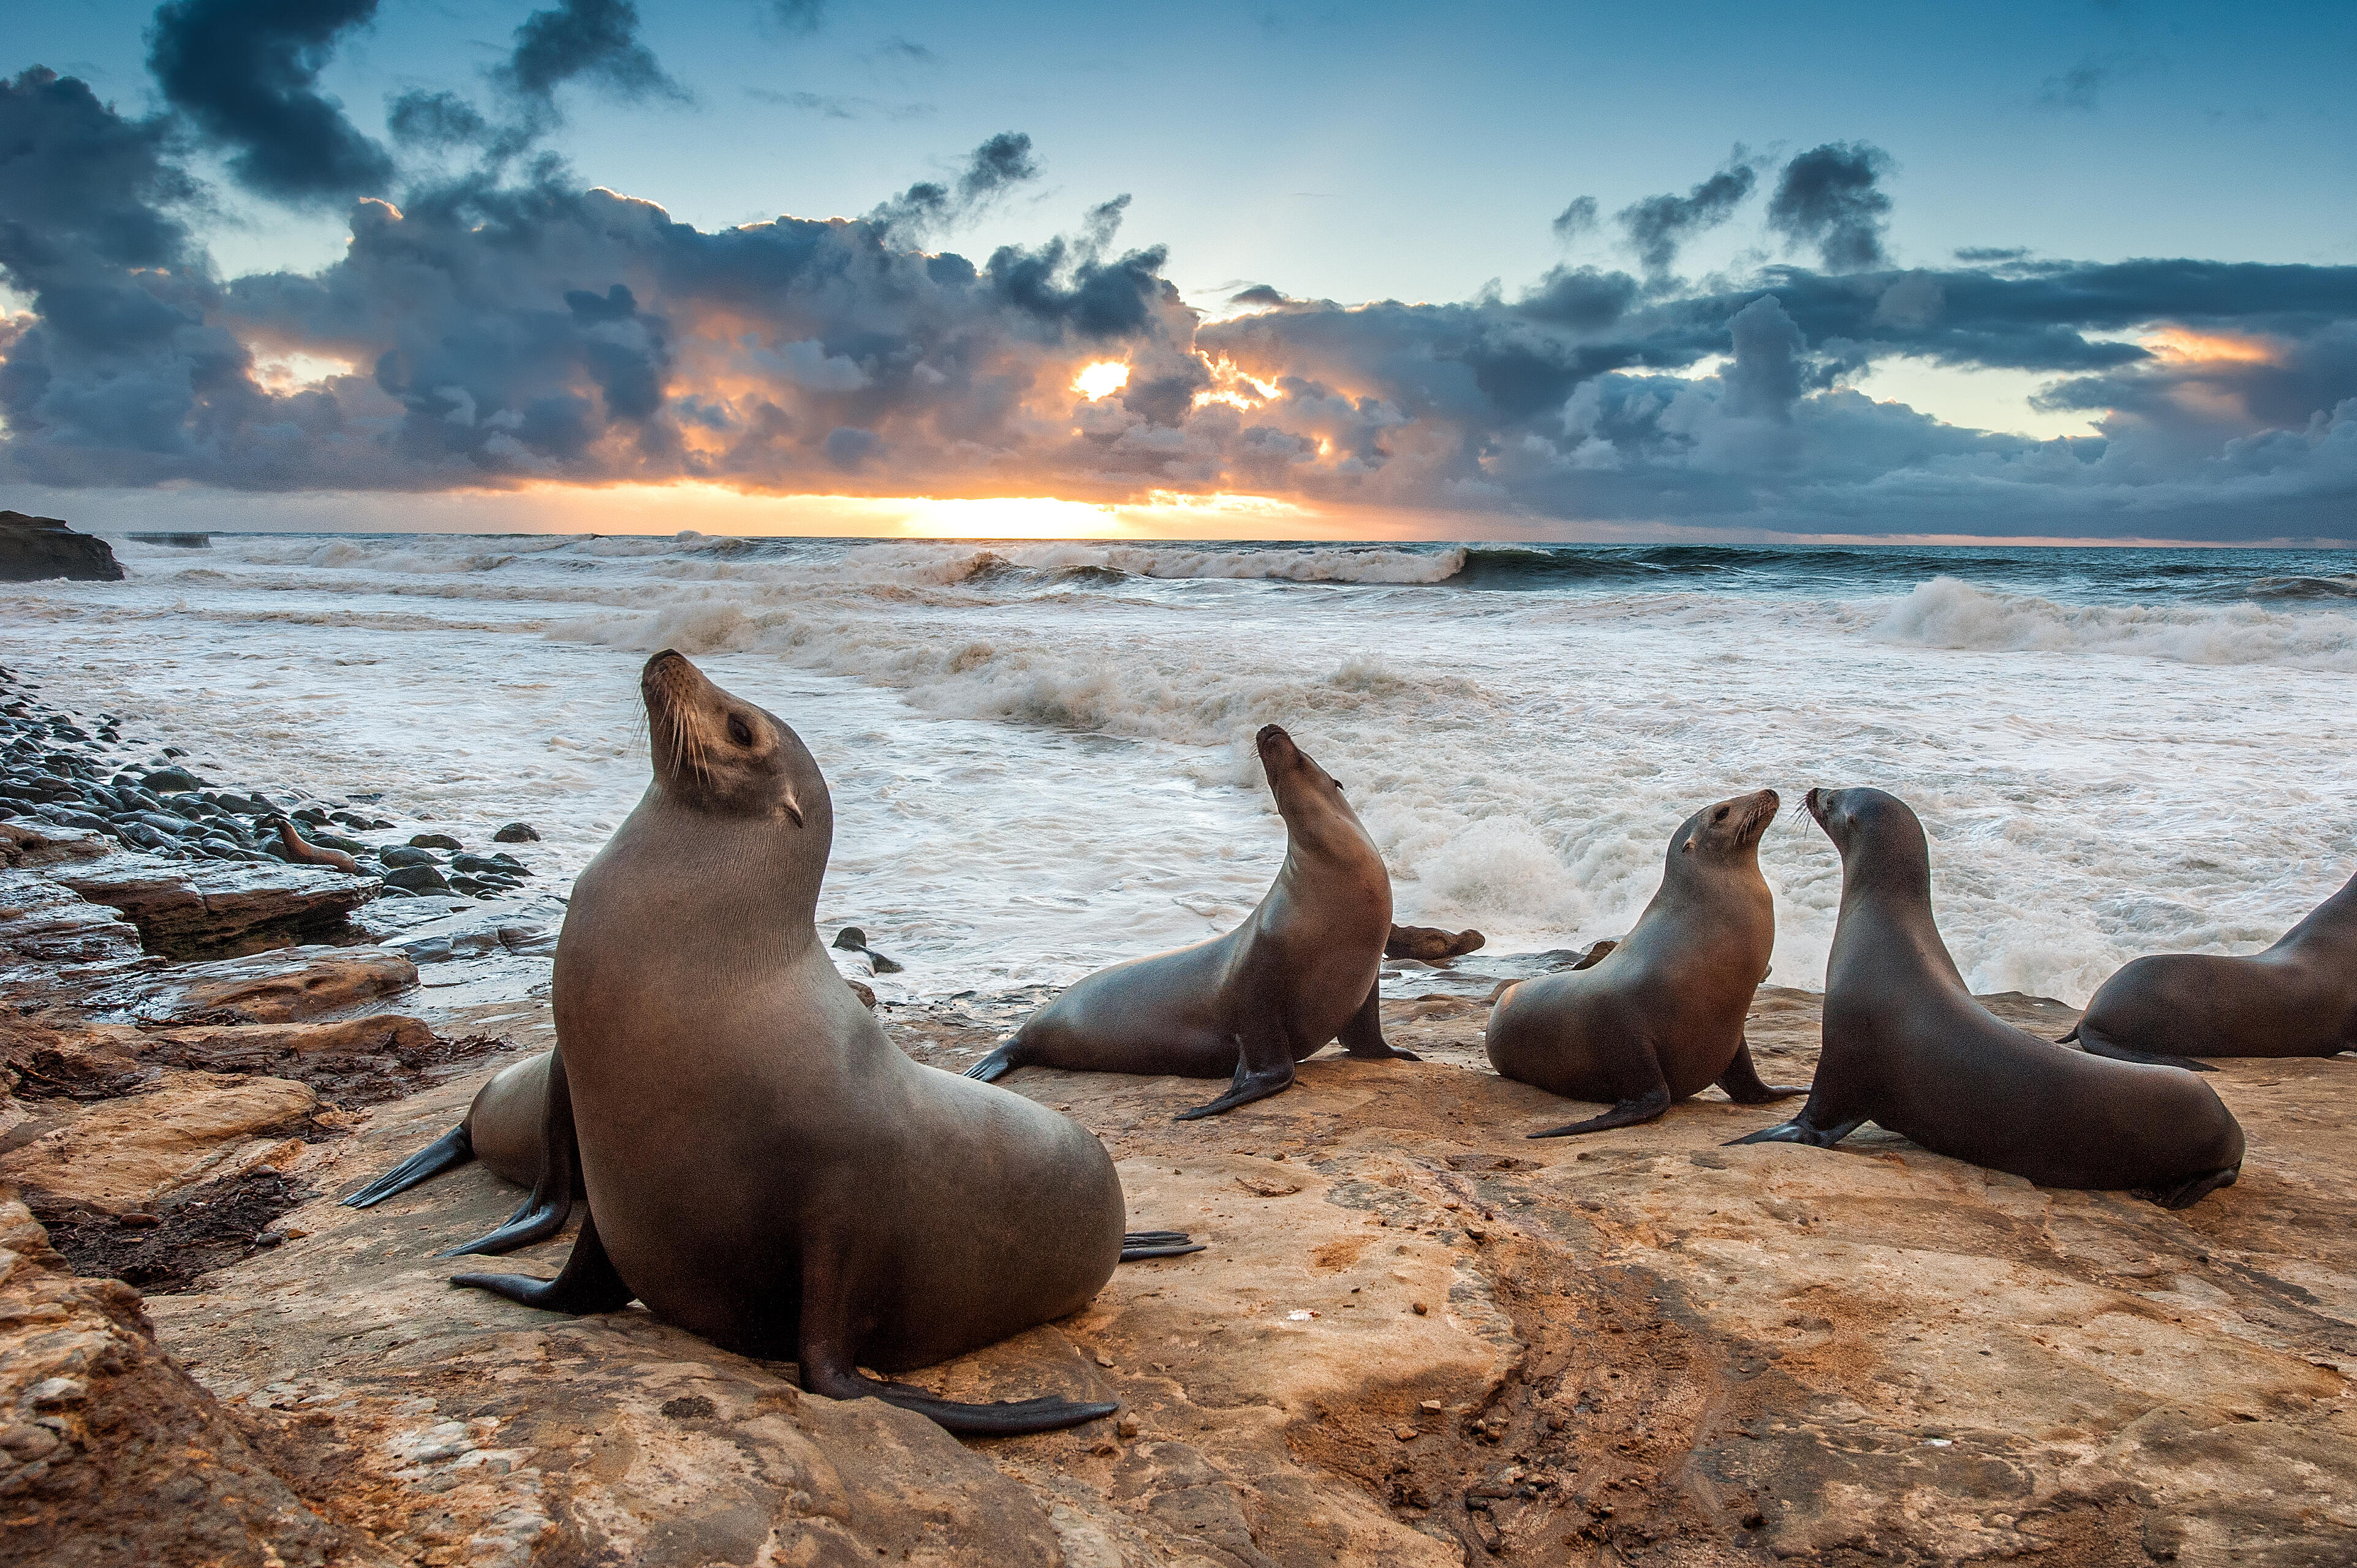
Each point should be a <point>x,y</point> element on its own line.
<point>1381,153</point>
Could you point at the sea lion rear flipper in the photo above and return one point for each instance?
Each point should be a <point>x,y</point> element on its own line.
<point>1799,1131</point>
<point>1363,1036</point>
<point>542,1213</point>
<point>828,1369</point>
<point>1263,1067</point>
<point>2191,1190</point>
<point>996,1065</point>
<point>1140,1244</point>
<point>450,1150</point>
<point>587,1282</point>
<point>1645,1106</point>
<point>2094,1044</point>
<point>1742,1080</point>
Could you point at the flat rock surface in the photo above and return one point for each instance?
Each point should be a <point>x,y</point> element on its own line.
<point>199,908</point>
<point>126,1154</point>
<point>1415,1338</point>
<point>275,987</point>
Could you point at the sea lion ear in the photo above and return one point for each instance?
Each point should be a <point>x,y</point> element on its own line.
<point>792,808</point>
<point>1687,847</point>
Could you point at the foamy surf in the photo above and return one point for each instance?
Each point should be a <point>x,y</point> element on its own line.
<point>1041,751</point>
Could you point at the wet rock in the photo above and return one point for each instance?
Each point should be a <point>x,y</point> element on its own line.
<point>110,1453</point>
<point>198,909</point>
<point>39,549</point>
<point>851,938</point>
<point>417,879</point>
<point>1431,944</point>
<point>433,841</point>
<point>122,1155</point>
<point>516,832</point>
<point>171,781</point>
<point>399,856</point>
<point>276,986</point>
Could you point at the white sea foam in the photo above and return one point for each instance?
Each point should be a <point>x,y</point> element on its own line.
<point>1041,753</point>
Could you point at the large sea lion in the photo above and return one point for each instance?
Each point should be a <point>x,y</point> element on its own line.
<point>2297,999</point>
<point>1908,1048</point>
<point>1301,970</point>
<point>1660,1014</point>
<point>763,1166</point>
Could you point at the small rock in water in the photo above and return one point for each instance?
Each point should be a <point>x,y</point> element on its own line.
<point>408,855</point>
<point>433,841</point>
<point>172,780</point>
<point>416,879</point>
<point>516,832</point>
<point>851,938</point>
<point>1429,944</point>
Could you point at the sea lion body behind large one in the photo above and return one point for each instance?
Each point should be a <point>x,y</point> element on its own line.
<point>1659,1016</point>
<point>1301,970</point>
<point>762,1165</point>
<point>2298,998</point>
<point>1908,1048</point>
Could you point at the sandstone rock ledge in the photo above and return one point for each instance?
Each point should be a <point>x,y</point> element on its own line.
<point>1418,1339</point>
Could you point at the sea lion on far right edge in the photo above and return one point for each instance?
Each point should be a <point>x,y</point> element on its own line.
<point>2297,999</point>
<point>1908,1048</point>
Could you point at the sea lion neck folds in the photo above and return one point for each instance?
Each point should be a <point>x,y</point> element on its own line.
<point>1659,1015</point>
<point>1909,1047</point>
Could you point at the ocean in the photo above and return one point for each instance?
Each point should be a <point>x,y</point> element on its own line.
<point>1040,753</point>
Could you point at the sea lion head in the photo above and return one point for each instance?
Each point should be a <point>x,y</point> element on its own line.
<point>1308,798</point>
<point>1873,827</point>
<point>721,755</point>
<point>1728,832</point>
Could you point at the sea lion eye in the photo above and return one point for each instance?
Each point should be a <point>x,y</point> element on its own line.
<point>1719,815</point>
<point>740,731</point>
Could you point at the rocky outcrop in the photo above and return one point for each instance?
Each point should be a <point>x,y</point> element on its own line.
<point>192,909</point>
<point>1430,944</point>
<point>276,986</point>
<point>125,1156</point>
<point>37,549</point>
<point>110,1453</point>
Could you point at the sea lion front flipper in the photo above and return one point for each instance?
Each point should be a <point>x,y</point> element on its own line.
<point>542,1214</point>
<point>1799,1131</point>
<point>2096,1046</point>
<point>2191,1190</point>
<point>828,1370</point>
<point>1742,1080</point>
<point>448,1152</point>
<point>1363,1036</point>
<point>1263,1067</point>
<point>1137,1245</point>
<point>587,1282</point>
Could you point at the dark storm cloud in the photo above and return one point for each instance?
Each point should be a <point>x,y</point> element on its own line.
<point>245,74</point>
<point>1828,198</point>
<point>439,120</point>
<point>928,207</point>
<point>585,40</point>
<point>1262,295</point>
<point>1575,221</point>
<point>1658,225</point>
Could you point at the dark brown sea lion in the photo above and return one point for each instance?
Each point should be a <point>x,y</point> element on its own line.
<point>1908,1048</point>
<point>2297,999</point>
<point>1302,969</point>
<point>1430,944</point>
<point>763,1167</point>
<point>312,853</point>
<point>1658,1016</point>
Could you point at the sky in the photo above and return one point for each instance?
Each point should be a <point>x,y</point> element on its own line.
<point>2076,271</point>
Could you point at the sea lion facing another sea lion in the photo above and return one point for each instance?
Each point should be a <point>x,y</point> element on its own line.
<point>763,1166</point>
<point>2297,999</point>
<point>1304,968</point>
<point>1658,1016</point>
<point>1906,1047</point>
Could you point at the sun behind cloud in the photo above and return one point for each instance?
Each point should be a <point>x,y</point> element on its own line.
<point>1102,379</point>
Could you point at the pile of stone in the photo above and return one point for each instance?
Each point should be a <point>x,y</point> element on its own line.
<point>55,770</point>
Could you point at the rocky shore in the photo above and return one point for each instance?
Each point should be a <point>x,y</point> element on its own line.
<point>1416,1337</point>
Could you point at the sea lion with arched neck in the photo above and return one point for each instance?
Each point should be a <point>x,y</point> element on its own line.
<point>763,1167</point>
<point>2297,999</point>
<point>1302,969</point>
<point>1908,1048</point>
<point>1660,1015</point>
